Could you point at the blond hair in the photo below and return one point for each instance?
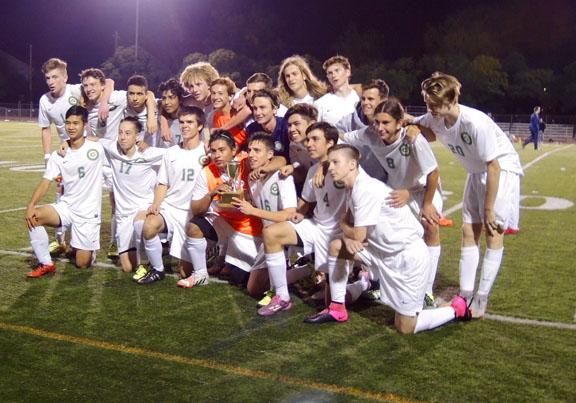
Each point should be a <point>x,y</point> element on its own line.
<point>315,87</point>
<point>54,63</point>
<point>441,88</point>
<point>202,70</point>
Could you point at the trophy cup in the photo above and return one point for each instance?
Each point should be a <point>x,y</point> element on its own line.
<point>232,177</point>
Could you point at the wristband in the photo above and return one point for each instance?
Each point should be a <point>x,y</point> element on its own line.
<point>46,156</point>
<point>295,164</point>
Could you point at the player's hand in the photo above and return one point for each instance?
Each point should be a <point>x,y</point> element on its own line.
<point>257,174</point>
<point>491,223</point>
<point>152,126</point>
<point>412,132</point>
<point>142,146</point>
<point>63,149</point>
<point>353,246</point>
<point>398,198</point>
<point>319,178</point>
<point>103,111</point>
<point>223,188</point>
<point>166,134</point>
<point>297,217</point>
<point>429,214</point>
<point>154,209</point>
<point>31,217</point>
<point>243,205</point>
<point>286,171</point>
<point>239,102</point>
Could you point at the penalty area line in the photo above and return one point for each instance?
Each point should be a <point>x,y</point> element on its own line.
<point>206,364</point>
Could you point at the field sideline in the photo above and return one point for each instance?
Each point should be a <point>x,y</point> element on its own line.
<point>94,335</point>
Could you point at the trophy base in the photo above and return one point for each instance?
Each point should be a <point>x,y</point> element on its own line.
<point>226,199</point>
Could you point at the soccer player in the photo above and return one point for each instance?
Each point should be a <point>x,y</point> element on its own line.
<point>196,80</point>
<point>222,90</point>
<point>171,99</point>
<point>234,230</point>
<point>413,174</point>
<point>296,82</point>
<point>491,193</point>
<point>386,239</point>
<point>142,105</point>
<point>312,234</point>
<point>342,99</point>
<point>169,211</point>
<point>52,108</point>
<point>79,207</point>
<point>273,200</point>
<point>258,82</point>
<point>299,117</point>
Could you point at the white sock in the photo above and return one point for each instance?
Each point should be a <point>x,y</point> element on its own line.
<point>490,267</point>
<point>276,263</point>
<point>153,249</point>
<point>357,288</point>
<point>432,318</point>
<point>469,258</point>
<point>196,248</point>
<point>338,277</point>
<point>39,241</point>
<point>434,252</point>
<point>138,227</point>
<point>113,229</point>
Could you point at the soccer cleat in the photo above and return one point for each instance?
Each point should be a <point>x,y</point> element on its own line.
<point>141,271</point>
<point>196,279</point>
<point>151,277</point>
<point>478,306</point>
<point>276,305</point>
<point>56,248</point>
<point>113,251</point>
<point>511,231</point>
<point>41,270</point>
<point>445,222</point>
<point>266,299</point>
<point>461,309</point>
<point>334,313</point>
<point>429,301</point>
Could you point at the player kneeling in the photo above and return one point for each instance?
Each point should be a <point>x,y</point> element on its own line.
<point>389,241</point>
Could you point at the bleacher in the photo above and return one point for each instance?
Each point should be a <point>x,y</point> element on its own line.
<point>560,133</point>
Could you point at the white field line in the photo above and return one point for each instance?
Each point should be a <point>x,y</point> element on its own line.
<point>458,206</point>
<point>500,318</point>
<point>10,210</point>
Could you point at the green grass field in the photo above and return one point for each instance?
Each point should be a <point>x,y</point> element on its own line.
<point>93,335</point>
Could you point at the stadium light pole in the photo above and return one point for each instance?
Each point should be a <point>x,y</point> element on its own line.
<point>137,29</point>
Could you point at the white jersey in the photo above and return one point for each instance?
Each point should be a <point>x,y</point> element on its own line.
<point>174,125</point>
<point>273,194</point>
<point>299,154</point>
<point>179,170</point>
<point>133,178</point>
<point>332,108</point>
<point>307,99</point>
<point>53,110</point>
<point>81,171</point>
<point>475,140</point>
<point>389,230</point>
<point>330,199</point>
<point>109,129</point>
<point>408,164</point>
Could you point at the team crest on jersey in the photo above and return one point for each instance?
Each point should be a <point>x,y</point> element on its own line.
<point>73,101</point>
<point>278,146</point>
<point>274,189</point>
<point>405,150</point>
<point>339,184</point>
<point>204,160</point>
<point>92,155</point>
<point>466,138</point>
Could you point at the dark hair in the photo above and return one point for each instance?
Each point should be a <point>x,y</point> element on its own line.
<point>392,107</point>
<point>193,110</point>
<point>352,151</point>
<point>380,85</point>
<point>77,110</point>
<point>172,85</point>
<point>307,111</point>
<point>94,73</point>
<point>137,80</point>
<point>271,95</point>
<point>264,138</point>
<point>330,132</point>
<point>134,121</point>
<point>260,78</point>
<point>222,135</point>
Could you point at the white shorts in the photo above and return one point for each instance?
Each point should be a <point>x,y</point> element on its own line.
<point>402,276</point>
<point>417,201</point>
<point>175,220</point>
<point>316,239</point>
<point>242,249</point>
<point>125,231</point>
<point>84,234</point>
<point>506,206</point>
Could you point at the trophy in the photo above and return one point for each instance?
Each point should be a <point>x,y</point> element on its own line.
<point>232,177</point>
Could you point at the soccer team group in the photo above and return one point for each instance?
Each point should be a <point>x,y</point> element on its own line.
<point>336,175</point>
